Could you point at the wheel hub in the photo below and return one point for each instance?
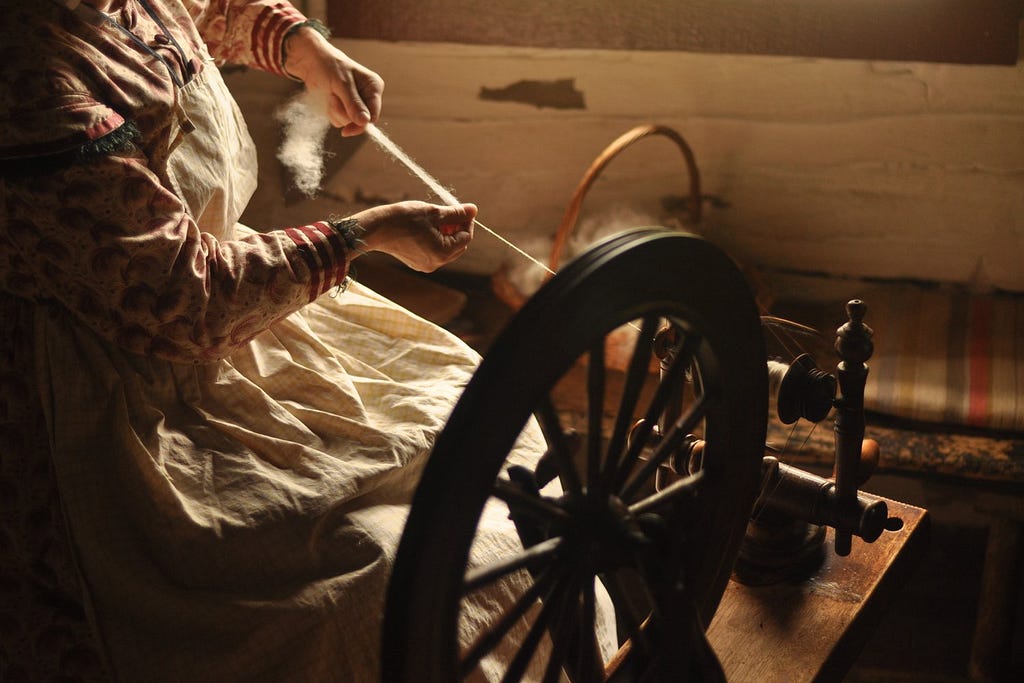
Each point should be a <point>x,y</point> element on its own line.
<point>601,533</point>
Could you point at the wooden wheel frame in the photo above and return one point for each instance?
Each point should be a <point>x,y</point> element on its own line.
<point>678,544</point>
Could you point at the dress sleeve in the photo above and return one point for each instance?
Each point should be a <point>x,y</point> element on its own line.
<point>249,32</point>
<point>116,248</point>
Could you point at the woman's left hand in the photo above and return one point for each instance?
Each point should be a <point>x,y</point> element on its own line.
<point>353,92</point>
<point>420,235</point>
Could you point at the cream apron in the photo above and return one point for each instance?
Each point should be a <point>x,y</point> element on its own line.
<point>236,521</point>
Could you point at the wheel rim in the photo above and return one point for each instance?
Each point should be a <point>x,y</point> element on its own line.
<point>608,519</point>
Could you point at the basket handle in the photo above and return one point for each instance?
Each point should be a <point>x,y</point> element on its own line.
<point>572,212</point>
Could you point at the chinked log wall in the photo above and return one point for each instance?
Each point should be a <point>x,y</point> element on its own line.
<point>845,166</point>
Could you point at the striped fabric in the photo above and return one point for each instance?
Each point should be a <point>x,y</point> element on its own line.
<point>323,253</point>
<point>268,31</point>
<point>947,356</point>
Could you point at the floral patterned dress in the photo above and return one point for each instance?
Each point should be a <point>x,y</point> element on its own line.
<point>203,458</point>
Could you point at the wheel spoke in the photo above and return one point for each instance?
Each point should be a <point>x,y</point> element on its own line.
<point>489,639</point>
<point>686,486</point>
<point>561,632</point>
<point>526,651</point>
<point>527,503</point>
<point>482,576</point>
<point>595,411</point>
<point>559,446</point>
<point>546,469</point>
<point>672,441</point>
<point>574,643</point>
<point>635,378</point>
<point>625,612</point>
<point>589,656</point>
<point>669,384</point>
<point>553,671</point>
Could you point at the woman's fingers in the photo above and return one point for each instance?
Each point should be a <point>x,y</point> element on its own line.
<point>361,95</point>
<point>421,235</point>
<point>354,114</point>
<point>460,219</point>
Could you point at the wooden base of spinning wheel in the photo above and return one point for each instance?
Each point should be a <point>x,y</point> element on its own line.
<point>813,630</point>
<point>777,550</point>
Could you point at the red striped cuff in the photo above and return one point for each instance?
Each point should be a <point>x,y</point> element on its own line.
<point>322,251</point>
<point>338,248</point>
<point>268,32</point>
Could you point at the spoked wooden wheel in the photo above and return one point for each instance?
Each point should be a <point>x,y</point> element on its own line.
<point>664,556</point>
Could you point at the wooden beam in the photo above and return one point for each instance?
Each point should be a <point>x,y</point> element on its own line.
<point>959,31</point>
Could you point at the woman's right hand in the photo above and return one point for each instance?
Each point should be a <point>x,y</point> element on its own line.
<point>422,236</point>
<point>352,92</point>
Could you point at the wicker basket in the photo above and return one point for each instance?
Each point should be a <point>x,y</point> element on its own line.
<point>619,343</point>
<point>501,283</point>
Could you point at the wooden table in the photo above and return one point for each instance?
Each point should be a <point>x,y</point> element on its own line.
<point>815,629</point>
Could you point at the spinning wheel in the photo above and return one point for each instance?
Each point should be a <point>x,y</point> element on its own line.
<point>664,555</point>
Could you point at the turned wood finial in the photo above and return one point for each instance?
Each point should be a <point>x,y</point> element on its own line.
<point>854,346</point>
<point>853,339</point>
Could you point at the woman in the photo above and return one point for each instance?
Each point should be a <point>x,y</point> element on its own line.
<point>232,451</point>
